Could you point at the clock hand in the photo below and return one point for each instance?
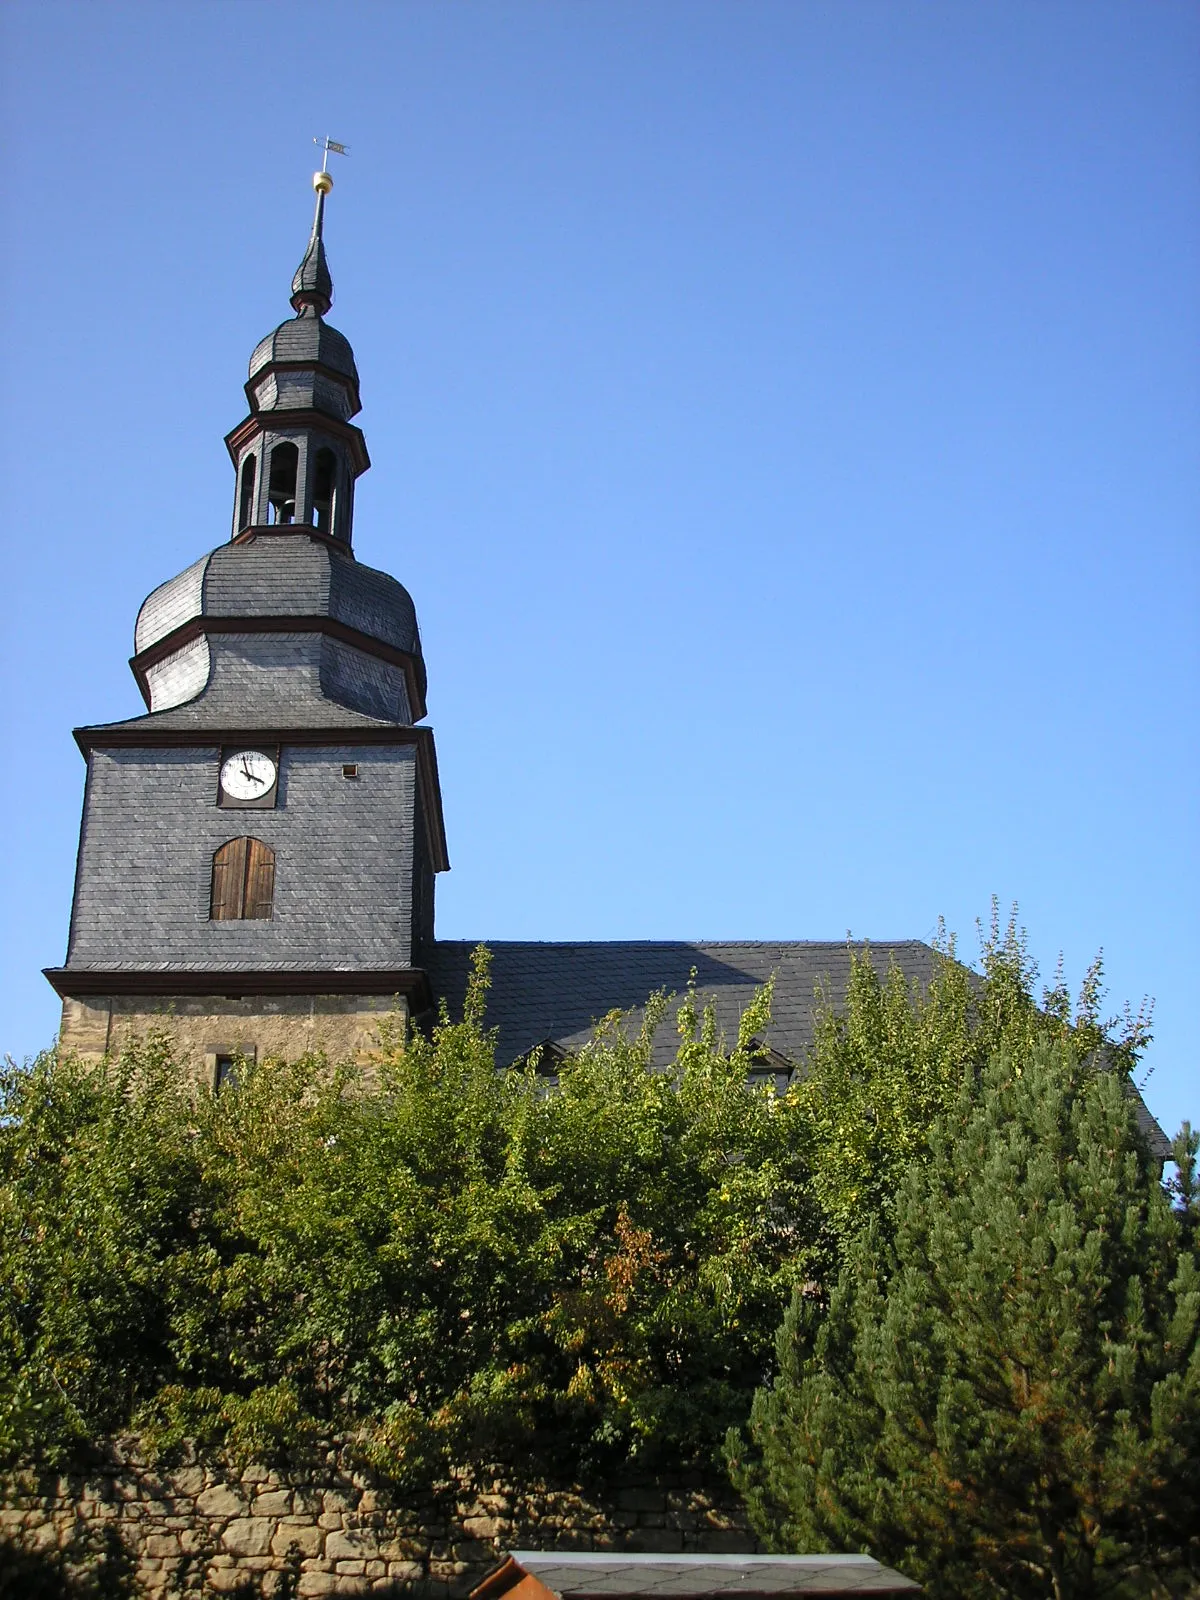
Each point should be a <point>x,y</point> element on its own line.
<point>253,776</point>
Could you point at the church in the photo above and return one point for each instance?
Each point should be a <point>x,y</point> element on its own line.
<point>259,851</point>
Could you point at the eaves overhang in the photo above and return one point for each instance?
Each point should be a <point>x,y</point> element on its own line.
<point>285,420</point>
<point>82,983</point>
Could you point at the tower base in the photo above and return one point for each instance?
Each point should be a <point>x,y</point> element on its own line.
<point>213,1019</point>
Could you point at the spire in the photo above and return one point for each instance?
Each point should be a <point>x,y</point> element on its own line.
<point>312,287</point>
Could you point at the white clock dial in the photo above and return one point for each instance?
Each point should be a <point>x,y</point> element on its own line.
<point>248,775</point>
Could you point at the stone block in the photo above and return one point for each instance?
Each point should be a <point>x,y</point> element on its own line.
<point>189,1480</point>
<point>248,1536</point>
<point>641,1500</point>
<point>330,1519</point>
<point>407,1550</point>
<point>224,1580</point>
<point>307,1539</point>
<point>162,1544</point>
<point>352,1544</point>
<point>350,1569</point>
<point>480,1527</point>
<point>656,1541</point>
<point>316,1583</point>
<point>405,1571</point>
<point>447,1571</point>
<point>719,1522</point>
<point>220,1501</point>
<point>273,1503</point>
<point>732,1542</point>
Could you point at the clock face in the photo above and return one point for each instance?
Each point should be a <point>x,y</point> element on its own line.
<point>248,775</point>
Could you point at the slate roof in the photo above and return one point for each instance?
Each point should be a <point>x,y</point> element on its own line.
<point>555,992</point>
<point>279,575</point>
<point>690,1577</point>
<point>305,338</point>
<point>249,700</point>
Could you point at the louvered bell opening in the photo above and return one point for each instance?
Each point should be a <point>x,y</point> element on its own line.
<point>281,488</point>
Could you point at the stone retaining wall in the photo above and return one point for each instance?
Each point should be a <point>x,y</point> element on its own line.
<point>198,1529</point>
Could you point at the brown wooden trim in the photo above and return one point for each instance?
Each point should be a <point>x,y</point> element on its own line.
<point>367,643</point>
<point>86,982</point>
<point>149,737</point>
<point>288,421</point>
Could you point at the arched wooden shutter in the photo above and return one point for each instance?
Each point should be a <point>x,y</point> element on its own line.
<point>229,881</point>
<point>243,881</point>
<point>260,879</point>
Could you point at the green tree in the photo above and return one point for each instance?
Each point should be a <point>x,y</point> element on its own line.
<point>892,1057</point>
<point>1002,1396</point>
<point>445,1260</point>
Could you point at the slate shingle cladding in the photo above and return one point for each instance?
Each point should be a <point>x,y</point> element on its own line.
<point>343,852</point>
<point>557,991</point>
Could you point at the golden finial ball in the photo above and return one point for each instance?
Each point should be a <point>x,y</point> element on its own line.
<point>322,182</point>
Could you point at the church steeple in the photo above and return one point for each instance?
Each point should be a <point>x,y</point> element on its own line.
<point>297,455</point>
<point>258,851</point>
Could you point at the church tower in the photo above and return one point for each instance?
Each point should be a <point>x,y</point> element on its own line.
<point>258,851</point>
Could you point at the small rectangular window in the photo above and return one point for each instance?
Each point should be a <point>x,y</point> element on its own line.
<point>225,1073</point>
<point>350,770</point>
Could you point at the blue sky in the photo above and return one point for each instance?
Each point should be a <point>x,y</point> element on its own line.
<point>784,416</point>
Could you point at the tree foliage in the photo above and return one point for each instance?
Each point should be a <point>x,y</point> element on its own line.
<point>894,1056</point>
<point>439,1258</point>
<point>1002,1395</point>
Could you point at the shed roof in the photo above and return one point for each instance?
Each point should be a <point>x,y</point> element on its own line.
<point>584,1575</point>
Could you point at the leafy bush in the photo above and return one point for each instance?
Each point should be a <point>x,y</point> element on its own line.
<point>445,1260</point>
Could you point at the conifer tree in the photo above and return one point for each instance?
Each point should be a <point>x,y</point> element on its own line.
<point>1002,1397</point>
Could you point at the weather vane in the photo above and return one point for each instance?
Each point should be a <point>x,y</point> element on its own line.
<point>323,181</point>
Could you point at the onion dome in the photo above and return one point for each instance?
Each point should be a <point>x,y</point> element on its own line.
<point>327,628</point>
